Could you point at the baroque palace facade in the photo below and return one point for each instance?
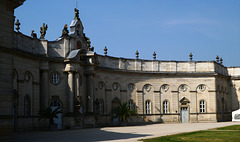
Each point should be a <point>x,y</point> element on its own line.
<point>67,73</point>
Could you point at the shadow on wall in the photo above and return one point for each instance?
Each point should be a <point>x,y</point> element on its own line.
<point>235,102</point>
<point>224,113</point>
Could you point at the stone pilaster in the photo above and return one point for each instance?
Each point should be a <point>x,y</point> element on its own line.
<point>44,77</point>
<point>140,102</point>
<point>44,89</point>
<point>90,92</point>
<point>70,91</point>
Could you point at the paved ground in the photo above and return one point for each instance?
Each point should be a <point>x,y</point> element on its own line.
<point>115,134</point>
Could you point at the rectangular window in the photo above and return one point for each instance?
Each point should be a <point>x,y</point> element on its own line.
<point>148,107</point>
<point>26,106</point>
<point>55,78</point>
<point>202,107</point>
<point>131,105</point>
<point>101,107</point>
<point>165,107</point>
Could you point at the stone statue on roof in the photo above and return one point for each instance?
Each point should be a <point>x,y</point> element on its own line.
<point>33,35</point>
<point>43,31</point>
<point>76,14</point>
<point>65,31</point>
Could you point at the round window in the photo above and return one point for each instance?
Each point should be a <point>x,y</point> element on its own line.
<point>115,86</point>
<point>131,87</point>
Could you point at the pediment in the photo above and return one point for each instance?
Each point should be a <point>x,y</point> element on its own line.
<point>184,100</point>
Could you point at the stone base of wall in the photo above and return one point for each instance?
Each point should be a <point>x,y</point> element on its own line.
<point>5,130</point>
<point>68,122</point>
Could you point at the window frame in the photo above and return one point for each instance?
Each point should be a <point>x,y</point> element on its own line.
<point>202,106</point>
<point>131,105</point>
<point>101,107</point>
<point>148,108</point>
<point>27,105</point>
<point>55,78</point>
<point>165,107</point>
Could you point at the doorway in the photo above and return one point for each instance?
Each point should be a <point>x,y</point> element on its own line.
<point>54,105</point>
<point>184,114</point>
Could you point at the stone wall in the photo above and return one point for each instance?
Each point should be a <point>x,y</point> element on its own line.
<point>157,95</point>
<point>6,65</point>
<point>161,66</point>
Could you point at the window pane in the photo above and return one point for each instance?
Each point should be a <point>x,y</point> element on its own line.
<point>131,105</point>
<point>202,106</point>
<point>165,107</point>
<point>55,78</point>
<point>26,106</point>
<point>148,107</point>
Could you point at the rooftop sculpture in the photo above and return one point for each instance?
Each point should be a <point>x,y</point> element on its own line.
<point>43,31</point>
<point>65,31</point>
<point>76,14</point>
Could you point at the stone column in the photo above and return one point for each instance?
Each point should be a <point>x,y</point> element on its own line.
<point>44,84</point>
<point>90,92</point>
<point>193,106</point>
<point>44,89</point>
<point>175,104</point>
<point>77,76</point>
<point>140,102</point>
<point>70,91</point>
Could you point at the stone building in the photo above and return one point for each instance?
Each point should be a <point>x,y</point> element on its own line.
<point>67,73</point>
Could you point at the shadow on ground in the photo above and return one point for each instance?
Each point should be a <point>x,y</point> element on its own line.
<point>83,135</point>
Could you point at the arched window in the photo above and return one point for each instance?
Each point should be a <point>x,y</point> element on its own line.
<point>99,106</point>
<point>202,106</point>
<point>55,103</point>
<point>165,107</point>
<point>131,105</point>
<point>27,105</point>
<point>148,107</point>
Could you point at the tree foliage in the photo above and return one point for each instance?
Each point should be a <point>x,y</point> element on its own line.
<point>49,114</point>
<point>123,112</point>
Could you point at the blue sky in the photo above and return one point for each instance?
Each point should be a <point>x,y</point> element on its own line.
<point>171,28</point>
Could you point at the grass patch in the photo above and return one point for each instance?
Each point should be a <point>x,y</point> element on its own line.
<point>233,127</point>
<point>202,136</point>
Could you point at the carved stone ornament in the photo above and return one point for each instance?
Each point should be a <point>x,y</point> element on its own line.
<point>43,31</point>
<point>76,17</point>
<point>17,25</point>
<point>217,58</point>
<point>137,54</point>
<point>190,56</point>
<point>88,42</point>
<point>105,51</point>
<point>65,31</point>
<point>33,35</point>
<point>154,55</point>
